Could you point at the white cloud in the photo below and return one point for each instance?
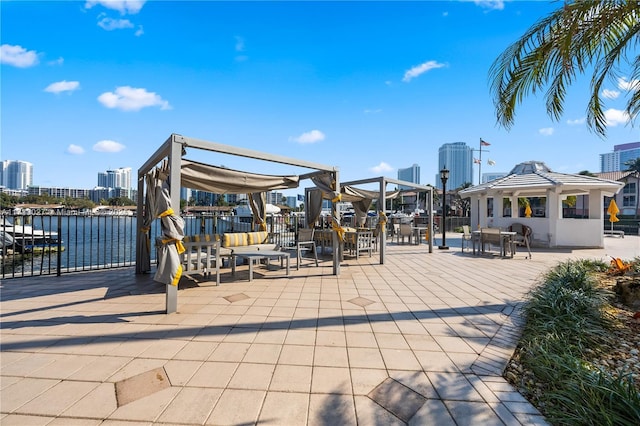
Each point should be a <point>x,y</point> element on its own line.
<point>139,31</point>
<point>372,111</point>
<point>309,137</point>
<point>108,146</point>
<point>610,94</point>
<point>129,98</point>
<point>631,86</point>
<point>63,86</point>
<point>616,116</point>
<point>123,6</point>
<point>576,121</point>
<point>546,131</point>
<point>58,61</point>
<point>114,24</point>
<point>490,4</point>
<point>420,69</point>
<point>239,44</point>
<point>381,168</point>
<point>18,56</point>
<point>75,149</point>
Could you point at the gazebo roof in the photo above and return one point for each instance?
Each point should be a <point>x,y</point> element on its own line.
<point>534,178</point>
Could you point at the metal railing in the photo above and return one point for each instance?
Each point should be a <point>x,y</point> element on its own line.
<point>35,244</point>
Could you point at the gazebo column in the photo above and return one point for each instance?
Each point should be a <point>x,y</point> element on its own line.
<point>515,210</point>
<point>498,210</point>
<point>596,204</point>
<point>482,210</point>
<point>554,214</point>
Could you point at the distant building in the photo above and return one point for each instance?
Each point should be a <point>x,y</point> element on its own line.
<point>410,174</point>
<point>457,157</point>
<point>274,197</point>
<point>488,177</point>
<point>16,174</point>
<point>60,192</point>
<point>291,201</point>
<point>116,179</point>
<point>615,161</point>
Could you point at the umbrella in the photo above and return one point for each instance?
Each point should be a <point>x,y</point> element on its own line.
<point>613,211</point>
<point>169,269</point>
<point>527,211</point>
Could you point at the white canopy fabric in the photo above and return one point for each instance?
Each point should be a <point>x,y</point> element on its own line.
<point>221,180</point>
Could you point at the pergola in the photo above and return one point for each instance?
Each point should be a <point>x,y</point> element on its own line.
<point>198,175</point>
<point>495,204</point>
<point>381,205</point>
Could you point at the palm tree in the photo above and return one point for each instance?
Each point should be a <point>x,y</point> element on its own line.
<point>634,166</point>
<point>580,36</point>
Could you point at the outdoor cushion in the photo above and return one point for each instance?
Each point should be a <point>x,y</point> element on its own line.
<point>258,237</point>
<point>235,239</point>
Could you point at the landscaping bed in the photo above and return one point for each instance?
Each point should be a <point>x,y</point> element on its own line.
<point>577,360</point>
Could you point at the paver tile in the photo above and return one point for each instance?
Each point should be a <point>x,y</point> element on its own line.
<point>236,406</point>
<point>98,403</point>
<point>191,405</point>
<point>331,380</point>
<point>54,401</point>
<point>331,409</point>
<point>213,374</point>
<point>291,378</point>
<point>289,408</point>
<point>252,376</point>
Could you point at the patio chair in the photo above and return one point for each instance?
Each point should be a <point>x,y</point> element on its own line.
<point>466,236</point>
<point>523,235</point>
<point>405,230</point>
<point>305,242</point>
<point>490,236</point>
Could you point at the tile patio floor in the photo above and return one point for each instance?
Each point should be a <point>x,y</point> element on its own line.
<point>420,340</point>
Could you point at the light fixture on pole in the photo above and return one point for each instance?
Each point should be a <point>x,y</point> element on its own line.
<point>444,176</point>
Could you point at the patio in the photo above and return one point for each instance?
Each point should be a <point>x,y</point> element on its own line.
<point>421,339</point>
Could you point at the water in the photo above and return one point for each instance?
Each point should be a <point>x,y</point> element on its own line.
<point>101,242</point>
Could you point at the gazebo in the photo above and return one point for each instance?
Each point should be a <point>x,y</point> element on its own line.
<point>163,185</point>
<point>534,195</point>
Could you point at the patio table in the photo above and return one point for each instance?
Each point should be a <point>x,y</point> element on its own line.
<point>255,257</point>
<point>507,241</point>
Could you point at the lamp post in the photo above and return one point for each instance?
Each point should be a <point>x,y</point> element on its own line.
<point>444,176</point>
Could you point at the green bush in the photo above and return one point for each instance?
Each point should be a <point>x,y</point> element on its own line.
<point>565,319</point>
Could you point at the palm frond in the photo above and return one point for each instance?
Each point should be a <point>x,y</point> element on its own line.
<point>557,48</point>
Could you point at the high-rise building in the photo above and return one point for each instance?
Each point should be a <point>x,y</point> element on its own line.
<point>457,157</point>
<point>16,174</point>
<point>118,178</point>
<point>615,161</point>
<point>410,174</point>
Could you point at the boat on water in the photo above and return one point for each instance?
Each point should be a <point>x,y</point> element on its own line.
<point>27,239</point>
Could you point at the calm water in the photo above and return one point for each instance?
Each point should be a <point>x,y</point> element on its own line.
<point>100,242</point>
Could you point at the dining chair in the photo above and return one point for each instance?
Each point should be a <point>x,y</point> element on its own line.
<point>305,243</point>
<point>405,231</point>
<point>466,236</point>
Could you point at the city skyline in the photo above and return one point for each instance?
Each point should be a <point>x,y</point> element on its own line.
<point>301,79</point>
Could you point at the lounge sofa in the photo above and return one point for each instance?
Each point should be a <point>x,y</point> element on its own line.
<point>205,253</point>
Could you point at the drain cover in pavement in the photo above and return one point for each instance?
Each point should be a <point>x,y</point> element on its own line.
<point>236,297</point>
<point>144,384</point>
<point>361,301</point>
<point>401,401</point>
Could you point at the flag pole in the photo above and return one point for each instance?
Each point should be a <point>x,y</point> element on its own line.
<point>480,164</point>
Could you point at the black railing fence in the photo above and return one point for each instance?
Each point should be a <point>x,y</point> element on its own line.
<point>56,244</point>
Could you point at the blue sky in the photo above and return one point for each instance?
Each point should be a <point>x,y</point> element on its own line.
<point>370,87</point>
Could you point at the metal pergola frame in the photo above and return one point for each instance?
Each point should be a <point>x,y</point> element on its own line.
<point>381,205</point>
<point>174,148</point>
